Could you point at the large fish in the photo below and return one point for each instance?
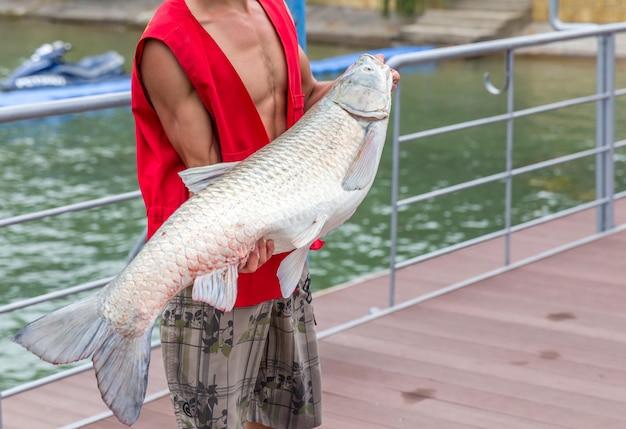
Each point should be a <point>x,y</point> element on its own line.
<point>295,190</point>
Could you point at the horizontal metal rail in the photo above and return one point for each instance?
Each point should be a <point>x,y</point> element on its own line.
<point>501,233</point>
<point>502,118</point>
<point>63,107</point>
<point>25,303</point>
<point>25,387</point>
<point>504,175</point>
<point>480,49</point>
<point>84,205</point>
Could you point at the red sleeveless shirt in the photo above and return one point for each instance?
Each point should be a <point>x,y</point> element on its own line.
<point>236,121</point>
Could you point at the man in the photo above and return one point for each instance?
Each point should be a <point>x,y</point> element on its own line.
<point>214,81</point>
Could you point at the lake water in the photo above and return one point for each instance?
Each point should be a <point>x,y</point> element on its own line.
<point>55,161</point>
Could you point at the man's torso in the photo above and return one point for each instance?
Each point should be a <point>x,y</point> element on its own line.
<point>249,41</point>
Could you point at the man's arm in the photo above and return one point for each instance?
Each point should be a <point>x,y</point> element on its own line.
<point>186,121</point>
<point>181,112</point>
<point>313,90</point>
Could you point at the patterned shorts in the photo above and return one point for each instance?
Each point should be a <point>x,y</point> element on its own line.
<point>253,364</point>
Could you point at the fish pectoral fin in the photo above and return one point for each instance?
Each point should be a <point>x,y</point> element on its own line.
<point>218,288</point>
<point>290,270</point>
<point>363,169</point>
<point>198,178</point>
<point>311,233</point>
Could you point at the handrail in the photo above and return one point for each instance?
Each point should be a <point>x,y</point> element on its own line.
<point>112,199</point>
<point>63,107</point>
<point>405,60</point>
<point>604,98</point>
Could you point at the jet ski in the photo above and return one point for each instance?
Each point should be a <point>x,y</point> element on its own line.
<point>46,68</point>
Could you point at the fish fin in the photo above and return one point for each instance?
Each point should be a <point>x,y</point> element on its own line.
<point>218,288</point>
<point>198,178</point>
<point>121,366</point>
<point>290,270</point>
<point>310,234</point>
<point>69,334</point>
<point>364,166</point>
<point>78,331</point>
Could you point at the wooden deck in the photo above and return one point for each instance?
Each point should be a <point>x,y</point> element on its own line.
<point>542,346</point>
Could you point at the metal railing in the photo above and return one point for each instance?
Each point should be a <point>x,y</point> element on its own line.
<point>42,110</point>
<point>604,98</point>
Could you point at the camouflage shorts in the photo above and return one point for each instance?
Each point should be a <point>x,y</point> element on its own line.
<point>256,364</point>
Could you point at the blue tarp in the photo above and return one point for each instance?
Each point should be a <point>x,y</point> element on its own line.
<point>320,68</point>
<point>336,65</point>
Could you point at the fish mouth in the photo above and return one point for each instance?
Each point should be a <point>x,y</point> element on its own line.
<point>364,90</point>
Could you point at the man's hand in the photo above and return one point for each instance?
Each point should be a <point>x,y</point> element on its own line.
<point>259,255</point>
<point>394,73</point>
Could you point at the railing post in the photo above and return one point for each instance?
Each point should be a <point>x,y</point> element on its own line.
<point>510,110</point>
<point>605,123</point>
<point>605,118</point>
<point>510,69</point>
<point>395,178</point>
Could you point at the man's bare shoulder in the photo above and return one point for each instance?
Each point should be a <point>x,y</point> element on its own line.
<point>161,75</point>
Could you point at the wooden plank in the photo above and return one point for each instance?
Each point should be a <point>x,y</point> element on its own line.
<point>483,351</point>
<point>547,287</point>
<point>553,385</point>
<point>486,386</point>
<point>373,407</point>
<point>461,405</point>
<point>543,315</point>
<point>513,336</point>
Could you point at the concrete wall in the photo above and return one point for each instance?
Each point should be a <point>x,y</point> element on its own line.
<point>598,11</point>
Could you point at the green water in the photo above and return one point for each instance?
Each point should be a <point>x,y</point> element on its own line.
<point>55,161</point>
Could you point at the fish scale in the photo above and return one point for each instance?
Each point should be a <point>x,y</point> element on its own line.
<point>295,190</point>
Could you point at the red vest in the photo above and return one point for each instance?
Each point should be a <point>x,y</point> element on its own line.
<point>236,122</point>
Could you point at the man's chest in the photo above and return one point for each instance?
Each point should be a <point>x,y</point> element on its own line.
<point>254,49</point>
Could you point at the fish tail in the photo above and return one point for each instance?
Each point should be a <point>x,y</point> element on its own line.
<point>78,331</point>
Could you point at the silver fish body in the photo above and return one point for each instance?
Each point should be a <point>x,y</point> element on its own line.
<point>298,188</point>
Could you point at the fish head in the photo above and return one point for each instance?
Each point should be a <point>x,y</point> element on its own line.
<point>364,90</point>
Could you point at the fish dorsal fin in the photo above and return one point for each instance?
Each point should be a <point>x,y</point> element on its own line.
<point>363,168</point>
<point>218,288</point>
<point>198,178</point>
<point>311,233</point>
<point>290,270</point>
